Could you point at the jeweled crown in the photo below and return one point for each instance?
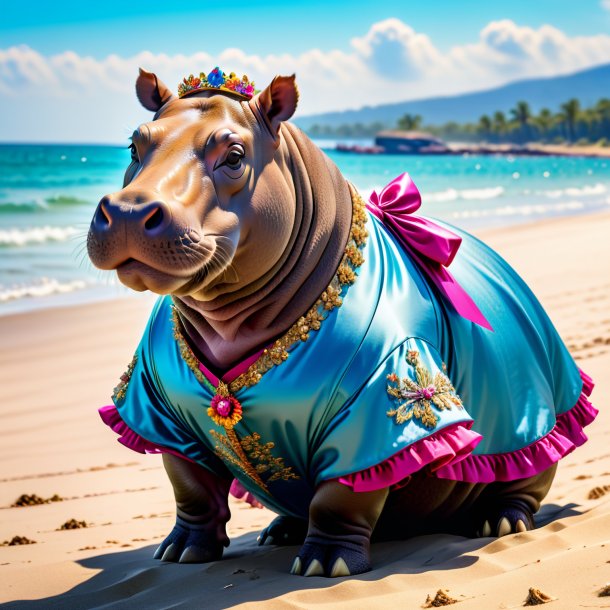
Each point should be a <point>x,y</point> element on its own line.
<point>219,81</point>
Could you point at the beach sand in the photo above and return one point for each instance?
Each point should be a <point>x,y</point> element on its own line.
<point>58,366</point>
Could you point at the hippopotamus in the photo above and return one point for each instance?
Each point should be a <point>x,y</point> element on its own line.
<point>365,372</point>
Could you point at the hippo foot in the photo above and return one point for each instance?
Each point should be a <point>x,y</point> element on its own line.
<point>189,543</point>
<point>332,558</point>
<point>284,531</point>
<point>510,518</point>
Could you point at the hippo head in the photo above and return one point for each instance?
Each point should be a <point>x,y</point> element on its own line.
<point>208,201</point>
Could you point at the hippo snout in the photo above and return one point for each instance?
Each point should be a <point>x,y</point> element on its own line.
<point>130,228</point>
<point>157,244</point>
<point>150,217</point>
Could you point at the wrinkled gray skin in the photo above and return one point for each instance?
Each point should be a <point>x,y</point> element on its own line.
<point>243,220</point>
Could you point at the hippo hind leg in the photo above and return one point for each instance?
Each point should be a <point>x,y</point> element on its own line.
<point>340,525</point>
<point>510,517</point>
<point>509,507</point>
<point>284,531</point>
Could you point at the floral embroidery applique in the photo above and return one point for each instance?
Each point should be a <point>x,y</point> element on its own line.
<point>247,454</point>
<point>252,457</point>
<point>225,410</point>
<point>417,398</point>
<point>119,392</point>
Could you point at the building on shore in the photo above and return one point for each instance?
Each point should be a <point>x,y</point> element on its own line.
<point>410,142</point>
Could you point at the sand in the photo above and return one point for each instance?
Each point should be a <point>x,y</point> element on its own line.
<point>572,150</point>
<point>58,366</point>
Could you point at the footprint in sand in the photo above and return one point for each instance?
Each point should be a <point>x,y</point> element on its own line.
<point>17,541</point>
<point>72,524</point>
<point>598,492</point>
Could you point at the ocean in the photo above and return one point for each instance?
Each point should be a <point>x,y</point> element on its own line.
<point>48,194</point>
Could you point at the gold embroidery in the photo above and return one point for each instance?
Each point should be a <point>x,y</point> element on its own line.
<point>252,457</point>
<point>419,396</point>
<point>266,460</point>
<point>120,390</point>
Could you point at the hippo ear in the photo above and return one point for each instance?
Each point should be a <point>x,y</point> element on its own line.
<point>279,100</point>
<point>151,91</point>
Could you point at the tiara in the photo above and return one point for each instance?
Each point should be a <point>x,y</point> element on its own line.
<point>217,80</point>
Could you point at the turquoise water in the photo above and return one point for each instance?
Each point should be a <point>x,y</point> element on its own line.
<point>48,195</point>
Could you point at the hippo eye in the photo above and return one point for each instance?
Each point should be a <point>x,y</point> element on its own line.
<point>134,153</point>
<point>234,157</point>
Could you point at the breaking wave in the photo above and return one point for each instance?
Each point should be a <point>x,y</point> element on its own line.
<point>466,194</point>
<point>521,210</point>
<point>584,191</point>
<point>451,194</point>
<point>35,235</point>
<point>41,288</point>
<point>37,204</point>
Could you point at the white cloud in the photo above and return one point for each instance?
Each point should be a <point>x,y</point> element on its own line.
<point>395,51</point>
<point>605,4</point>
<point>92,99</point>
<point>519,51</point>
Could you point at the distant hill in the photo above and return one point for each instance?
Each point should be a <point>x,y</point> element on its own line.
<point>588,86</point>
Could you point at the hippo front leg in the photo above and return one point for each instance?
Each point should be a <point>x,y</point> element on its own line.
<point>341,522</point>
<point>202,512</point>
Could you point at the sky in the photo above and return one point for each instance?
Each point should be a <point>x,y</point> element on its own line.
<point>67,69</point>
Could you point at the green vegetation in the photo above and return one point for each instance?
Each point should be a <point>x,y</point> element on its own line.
<point>355,130</point>
<point>570,123</point>
<point>409,122</point>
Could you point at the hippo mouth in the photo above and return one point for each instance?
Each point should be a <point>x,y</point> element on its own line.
<point>139,276</point>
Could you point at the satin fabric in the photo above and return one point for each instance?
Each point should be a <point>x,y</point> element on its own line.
<point>325,408</point>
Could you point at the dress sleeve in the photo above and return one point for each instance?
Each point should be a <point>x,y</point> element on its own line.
<point>405,416</point>
<point>144,420</point>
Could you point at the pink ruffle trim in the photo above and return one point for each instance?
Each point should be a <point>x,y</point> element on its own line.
<point>241,493</point>
<point>110,416</point>
<point>566,435</point>
<point>448,453</point>
<point>448,445</point>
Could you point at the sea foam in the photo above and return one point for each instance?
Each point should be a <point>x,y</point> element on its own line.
<point>574,191</point>
<point>521,210</point>
<point>451,194</point>
<point>35,235</point>
<point>41,288</point>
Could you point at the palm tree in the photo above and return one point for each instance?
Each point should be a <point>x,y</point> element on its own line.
<point>602,111</point>
<point>571,110</point>
<point>409,122</point>
<point>603,108</point>
<point>544,121</point>
<point>484,126</point>
<point>522,114</point>
<point>500,124</point>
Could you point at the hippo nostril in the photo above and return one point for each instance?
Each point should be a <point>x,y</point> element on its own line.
<point>154,219</point>
<point>102,218</point>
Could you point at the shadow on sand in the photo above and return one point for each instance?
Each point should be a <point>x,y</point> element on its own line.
<point>249,573</point>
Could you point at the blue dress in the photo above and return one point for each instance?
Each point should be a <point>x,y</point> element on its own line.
<point>393,380</point>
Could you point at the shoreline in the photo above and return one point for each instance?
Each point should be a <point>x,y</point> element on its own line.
<point>531,149</point>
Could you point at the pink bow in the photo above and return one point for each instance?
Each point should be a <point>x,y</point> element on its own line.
<point>433,247</point>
